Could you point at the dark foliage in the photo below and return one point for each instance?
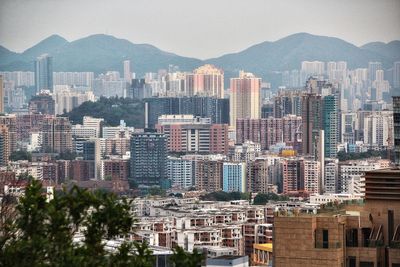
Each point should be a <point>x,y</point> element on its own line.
<point>112,109</point>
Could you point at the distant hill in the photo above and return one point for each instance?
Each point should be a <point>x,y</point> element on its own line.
<point>390,50</point>
<point>99,53</point>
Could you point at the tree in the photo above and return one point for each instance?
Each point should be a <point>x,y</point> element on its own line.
<point>21,155</point>
<point>263,198</point>
<point>181,258</point>
<point>41,232</point>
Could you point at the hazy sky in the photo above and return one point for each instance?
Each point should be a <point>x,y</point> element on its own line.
<point>200,28</point>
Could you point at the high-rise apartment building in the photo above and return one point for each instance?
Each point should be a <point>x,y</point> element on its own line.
<point>84,79</point>
<point>127,71</point>
<point>396,74</point>
<point>372,68</point>
<point>148,158</point>
<point>186,133</point>
<point>330,125</point>
<point>396,127</point>
<point>234,177</point>
<point>44,73</point>
<point>206,80</point>
<point>292,176</point>
<point>257,176</point>
<point>1,95</point>
<point>244,97</point>
<point>312,122</point>
<point>181,172</point>
<point>56,135</point>
<point>209,174</point>
<point>217,109</point>
<point>378,129</point>
<point>95,123</point>
<point>330,178</point>
<point>4,145</point>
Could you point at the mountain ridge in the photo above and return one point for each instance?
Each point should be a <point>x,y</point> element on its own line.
<point>100,52</point>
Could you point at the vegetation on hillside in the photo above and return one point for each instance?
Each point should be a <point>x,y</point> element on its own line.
<point>224,196</point>
<point>112,109</point>
<point>343,156</point>
<point>263,198</point>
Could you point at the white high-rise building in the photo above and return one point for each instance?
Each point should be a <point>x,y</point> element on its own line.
<point>378,129</point>
<point>181,172</point>
<point>234,177</point>
<point>313,67</point>
<point>127,71</point>
<point>331,175</point>
<point>95,123</point>
<point>67,99</point>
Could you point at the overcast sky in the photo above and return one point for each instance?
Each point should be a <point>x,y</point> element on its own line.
<point>200,28</point>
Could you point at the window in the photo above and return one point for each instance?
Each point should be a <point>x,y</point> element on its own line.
<point>325,238</point>
<point>352,238</point>
<point>351,261</point>
<point>366,264</point>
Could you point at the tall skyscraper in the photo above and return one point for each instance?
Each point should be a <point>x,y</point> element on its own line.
<point>372,68</point>
<point>396,74</point>
<point>312,122</point>
<point>330,125</point>
<point>396,126</point>
<point>4,145</point>
<point>148,158</point>
<point>44,73</point>
<point>127,71</point>
<point>245,97</point>
<point>1,95</point>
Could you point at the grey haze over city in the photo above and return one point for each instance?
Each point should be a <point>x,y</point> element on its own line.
<point>203,29</point>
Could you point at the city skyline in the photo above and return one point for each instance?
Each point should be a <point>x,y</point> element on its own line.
<point>268,21</point>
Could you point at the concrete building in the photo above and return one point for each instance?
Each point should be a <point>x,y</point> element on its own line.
<point>351,174</point>
<point>181,172</point>
<point>244,97</point>
<point>209,175</point>
<point>56,135</point>
<point>95,123</point>
<point>312,122</point>
<point>216,109</point>
<point>148,158</point>
<point>115,169</point>
<point>248,151</point>
<point>44,73</point>
<point>206,80</point>
<point>42,103</point>
<point>127,71</point>
<point>257,176</point>
<point>66,99</point>
<point>1,94</point>
<point>75,79</point>
<point>234,177</point>
<point>4,145</point>
<point>396,126</point>
<point>356,236</point>
<point>331,176</point>
<point>186,133</point>
<point>330,125</point>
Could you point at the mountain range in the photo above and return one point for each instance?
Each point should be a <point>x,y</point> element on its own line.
<point>99,53</point>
